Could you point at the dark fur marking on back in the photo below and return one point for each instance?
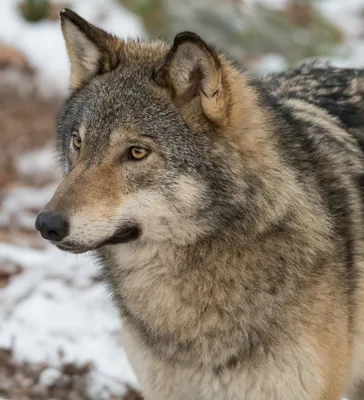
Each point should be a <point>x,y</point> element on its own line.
<point>306,159</point>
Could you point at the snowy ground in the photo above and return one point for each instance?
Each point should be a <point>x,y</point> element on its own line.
<point>54,311</point>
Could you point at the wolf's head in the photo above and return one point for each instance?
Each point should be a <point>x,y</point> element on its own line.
<point>158,143</point>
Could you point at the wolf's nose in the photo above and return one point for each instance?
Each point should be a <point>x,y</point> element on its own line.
<point>52,225</point>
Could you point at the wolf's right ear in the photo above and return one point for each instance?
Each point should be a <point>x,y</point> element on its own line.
<point>91,50</point>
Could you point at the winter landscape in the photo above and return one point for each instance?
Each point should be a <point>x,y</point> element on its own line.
<point>59,332</point>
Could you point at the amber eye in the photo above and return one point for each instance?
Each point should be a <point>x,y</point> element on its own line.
<point>137,153</point>
<point>76,141</point>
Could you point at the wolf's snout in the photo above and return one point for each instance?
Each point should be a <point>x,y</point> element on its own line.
<point>52,225</point>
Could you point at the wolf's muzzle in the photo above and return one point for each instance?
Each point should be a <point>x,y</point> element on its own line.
<point>52,226</point>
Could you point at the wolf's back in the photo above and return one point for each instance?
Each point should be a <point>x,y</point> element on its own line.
<point>338,91</point>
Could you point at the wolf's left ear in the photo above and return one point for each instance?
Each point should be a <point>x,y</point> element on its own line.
<point>193,70</point>
<point>91,50</point>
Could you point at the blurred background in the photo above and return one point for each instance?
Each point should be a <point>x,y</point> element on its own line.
<point>59,333</point>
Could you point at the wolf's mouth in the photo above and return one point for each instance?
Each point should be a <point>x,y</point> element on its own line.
<point>69,249</point>
<point>122,235</point>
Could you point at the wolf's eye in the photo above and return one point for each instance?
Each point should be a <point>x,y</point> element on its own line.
<point>76,141</point>
<point>137,153</point>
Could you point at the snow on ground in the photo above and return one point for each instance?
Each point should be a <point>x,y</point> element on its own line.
<point>43,44</point>
<point>57,303</point>
<point>54,309</point>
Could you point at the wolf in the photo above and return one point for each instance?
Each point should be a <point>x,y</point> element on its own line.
<point>226,212</point>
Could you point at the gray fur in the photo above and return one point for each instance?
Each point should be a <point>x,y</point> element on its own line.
<point>252,285</point>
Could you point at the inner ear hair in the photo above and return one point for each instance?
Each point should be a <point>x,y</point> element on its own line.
<point>193,88</point>
<point>190,69</point>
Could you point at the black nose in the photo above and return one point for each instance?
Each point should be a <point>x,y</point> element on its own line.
<point>52,225</point>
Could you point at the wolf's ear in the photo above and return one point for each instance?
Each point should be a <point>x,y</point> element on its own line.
<point>91,50</point>
<point>191,69</point>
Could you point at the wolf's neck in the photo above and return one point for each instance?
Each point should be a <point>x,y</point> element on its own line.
<point>169,296</point>
<point>204,295</point>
